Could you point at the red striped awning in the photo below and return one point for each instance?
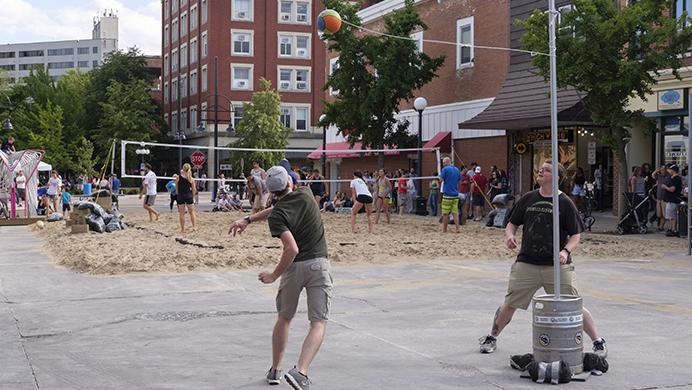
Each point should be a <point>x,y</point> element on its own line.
<point>442,140</point>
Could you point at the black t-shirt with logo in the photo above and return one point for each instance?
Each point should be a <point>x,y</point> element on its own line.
<point>535,213</point>
<point>673,197</point>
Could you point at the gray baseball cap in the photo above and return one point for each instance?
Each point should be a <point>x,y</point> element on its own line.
<point>277,179</point>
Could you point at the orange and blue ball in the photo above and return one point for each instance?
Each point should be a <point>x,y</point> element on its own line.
<point>328,21</point>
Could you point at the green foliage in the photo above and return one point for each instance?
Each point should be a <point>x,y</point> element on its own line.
<point>47,134</point>
<point>375,75</point>
<point>82,157</point>
<point>261,128</point>
<point>611,54</point>
<point>70,95</point>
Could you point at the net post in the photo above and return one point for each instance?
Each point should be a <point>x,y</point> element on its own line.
<point>437,155</point>
<point>122,157</point>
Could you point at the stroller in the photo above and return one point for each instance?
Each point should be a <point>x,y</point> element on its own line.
<point>636,215</point>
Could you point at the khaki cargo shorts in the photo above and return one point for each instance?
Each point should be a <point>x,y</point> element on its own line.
<point>525,279</point>
<point>313,275</point>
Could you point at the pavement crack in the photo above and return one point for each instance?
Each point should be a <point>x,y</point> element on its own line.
<point>21,338</point>
<point>367,302</point>
<point>121,297</point>
<point>663,387</point>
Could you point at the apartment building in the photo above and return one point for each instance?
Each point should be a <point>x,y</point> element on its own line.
<point>251,39</point>
<point>58,57</point>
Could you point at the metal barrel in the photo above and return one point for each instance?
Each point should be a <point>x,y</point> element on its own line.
<point>558,330</point>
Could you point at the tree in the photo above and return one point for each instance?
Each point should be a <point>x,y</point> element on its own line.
<point>71,96</point>
<point>611,55</point>
<point>47,134</point>
<point>375,75</point>
<point>261,128</point>
<point>81,153</point>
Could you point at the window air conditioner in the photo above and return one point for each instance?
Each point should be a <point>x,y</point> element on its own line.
<point>302,85</point>
<point>302,52</point>
<point>285,85</point>
<point>302,18</point>
<point>241,38</point>
<point>241,83</point>
<point>241,15</point>
<point>285,17</point>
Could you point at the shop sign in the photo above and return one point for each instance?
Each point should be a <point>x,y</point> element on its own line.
<point>672,99</point>
<point>544,135</point>
<point>591,153</point>
<point>676,154</point>
<point>225,167</point>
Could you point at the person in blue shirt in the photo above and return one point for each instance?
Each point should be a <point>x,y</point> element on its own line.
<point>450,177</point>
<point>171,189</point>
<point>115,189</point>
<point>66,202</point>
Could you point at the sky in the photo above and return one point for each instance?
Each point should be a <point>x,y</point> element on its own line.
<point>54,20</point>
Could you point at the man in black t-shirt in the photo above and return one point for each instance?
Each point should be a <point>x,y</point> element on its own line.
<point>297,221</point>
<point>533,268</point>
<point>671,195</point>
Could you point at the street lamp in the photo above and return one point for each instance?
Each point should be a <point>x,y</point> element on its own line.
<point>420,104</point>
<point>216,124</point>
<point>142,152</point>
<point>324,143</point>
<point>7,125</point>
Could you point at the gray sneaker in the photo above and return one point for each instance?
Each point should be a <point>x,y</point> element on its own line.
<point>599,347</point>
<point>273,376</point>
<point>488,344</point>
<point>297,380</point>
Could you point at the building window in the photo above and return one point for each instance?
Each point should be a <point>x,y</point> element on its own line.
<point>174,121</point>
<point>183,56</point>
<point>194,14</point>
<point>302,46</point>
<point>183,24</point>
<point>82,50</point>
<point>193,51</point>
<point>242,10</point>
<point>174,60</point>
<point>61,52</point>
<point>166,9</point>
<point>294,45</point>
<point>418,40</point>
<point>285,45</point>
<point>10,54</point>
<point>333,65</point>
<point>83,64</point>
<point>165,92</point>
<point>174,5</point>
<point>31,53</point>
<point>294,79</point>
<point>183,86</point>
<point>174,89</point>
<point>95,50</point>
<point>242,42</point>
<point>174,30</point>
<point>193,83</point>
<point>465,37</point>
<point>205,47</point>
<point>286,116</point>
<point>7,67</point>
<point>166,63</point>
<point>95,63</point>
<point>291,11</point>
<point>237,114</point>
<point>204,79</point>
<point>680,7</point>
<point>193,118</point>
<point>165,35</point>
<point>29,66</point>
<point>183,120</point>
<point>242,76</point>
<point>61,65</point>
<point>204,11</point>
<point>203,114</point>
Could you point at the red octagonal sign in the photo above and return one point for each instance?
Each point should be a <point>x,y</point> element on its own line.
<point>198,158</point>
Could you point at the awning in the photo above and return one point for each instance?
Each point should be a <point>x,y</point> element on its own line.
<point>443,140</point>
<point>524,99</point>
<point>342,148</point>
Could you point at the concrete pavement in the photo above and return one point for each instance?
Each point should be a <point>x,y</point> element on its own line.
<point>395,326</point>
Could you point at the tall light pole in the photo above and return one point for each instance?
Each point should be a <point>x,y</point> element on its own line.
<point>7,125</point>
<point>324,144</point>
<point>142,151</point>
<point>216,127</point>
<point>180,134</point>
<point>420,104</point>
<point>553,145</point>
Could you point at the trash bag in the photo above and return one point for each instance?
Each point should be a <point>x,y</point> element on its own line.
<point>113,225</point>
<point>117,214</point>
<point>497,218</point>
<point>100,211</point>
<point>85,205</point>
<point>107,218</point>
<point>95,223</point>
<point>123,225</point>
<point>54,217</point>
<point>502,200</point>
<point>555,372</point>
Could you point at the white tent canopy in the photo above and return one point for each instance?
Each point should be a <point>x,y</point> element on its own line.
<point>44,167</point>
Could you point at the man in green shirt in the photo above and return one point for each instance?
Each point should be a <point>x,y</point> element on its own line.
<point>296,220</point>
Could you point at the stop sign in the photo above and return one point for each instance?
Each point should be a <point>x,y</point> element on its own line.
<point>197,159</point>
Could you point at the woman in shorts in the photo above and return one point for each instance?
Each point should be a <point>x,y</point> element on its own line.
<point>186,190</point>
<point>383,188</point>
<point>361,196</point>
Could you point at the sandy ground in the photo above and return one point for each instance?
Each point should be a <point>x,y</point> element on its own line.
<point>160,247</point>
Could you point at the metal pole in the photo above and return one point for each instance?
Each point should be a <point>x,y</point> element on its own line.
<point>419,168</point>
<point>689,177</point>
<point>554,149</point>
<point>113,158</point>
<point>180,121</point>
<point>324,150</point>
<point>216,126</point>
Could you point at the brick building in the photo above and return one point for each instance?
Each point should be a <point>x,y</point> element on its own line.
<point>466,83</point>
<point>251,39</point>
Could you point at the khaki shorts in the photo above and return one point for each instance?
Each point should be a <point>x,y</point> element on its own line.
<point>671,210</point>
<point>660,209</point>
<point>313,275</point>
<point>260,202</point>
<point>525,279</point>
<point>149,200</point>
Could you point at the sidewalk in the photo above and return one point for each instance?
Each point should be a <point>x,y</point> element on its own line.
<point>408,325</point>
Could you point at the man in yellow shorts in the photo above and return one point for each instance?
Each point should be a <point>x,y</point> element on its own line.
<point>450,177</point>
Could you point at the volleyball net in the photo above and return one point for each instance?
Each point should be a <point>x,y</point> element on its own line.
<point>236,164</point>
